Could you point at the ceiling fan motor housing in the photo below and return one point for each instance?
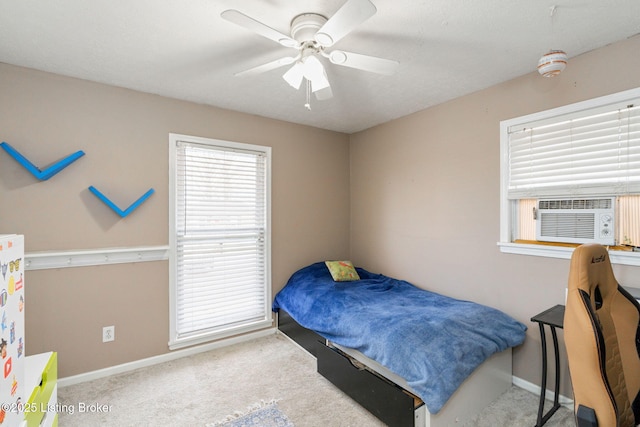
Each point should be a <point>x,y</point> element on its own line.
<point>305,26</point>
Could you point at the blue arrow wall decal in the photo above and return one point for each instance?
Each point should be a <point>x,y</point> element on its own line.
<point>36,171</point>
<point>116,209</point>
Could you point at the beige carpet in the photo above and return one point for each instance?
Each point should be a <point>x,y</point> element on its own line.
<point>207,387</point>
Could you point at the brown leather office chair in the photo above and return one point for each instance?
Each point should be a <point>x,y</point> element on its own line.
<point>602,337</point>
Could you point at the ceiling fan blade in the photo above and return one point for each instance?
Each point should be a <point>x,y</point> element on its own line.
<point>257,27</point>
<point>268,66</point>
<point>363,62</point>
<point>349,16</point>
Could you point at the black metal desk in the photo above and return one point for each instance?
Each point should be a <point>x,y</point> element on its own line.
<point>554,318</point>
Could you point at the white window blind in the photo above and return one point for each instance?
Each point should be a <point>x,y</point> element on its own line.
<point>221,239</point>
<point>586,149</point>
<point>589,152</point>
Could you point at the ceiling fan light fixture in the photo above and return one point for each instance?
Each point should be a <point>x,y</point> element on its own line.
<point>315,73</point>
<point>324,94</point>
<point>319,83</point>
<point>309,68</point>
<point>552,63</point>
<point>294,75</point>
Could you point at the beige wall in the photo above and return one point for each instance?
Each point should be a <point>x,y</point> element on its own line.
<point>125,135</point>
<point>425,195</point>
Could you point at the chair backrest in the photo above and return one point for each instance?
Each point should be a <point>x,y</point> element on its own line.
<point>602,338</point>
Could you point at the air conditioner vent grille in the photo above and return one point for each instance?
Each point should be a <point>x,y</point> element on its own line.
<point>570,225</point>
<point>576,204</point>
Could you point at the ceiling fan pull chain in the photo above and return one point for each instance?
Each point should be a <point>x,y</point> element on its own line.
<point>308,104</point>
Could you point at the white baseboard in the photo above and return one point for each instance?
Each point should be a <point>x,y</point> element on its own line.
<point>535,389</point>
<point>173,355</point>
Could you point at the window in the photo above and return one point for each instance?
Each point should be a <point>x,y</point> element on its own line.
<point>581,151</point>
<point>219,239</point>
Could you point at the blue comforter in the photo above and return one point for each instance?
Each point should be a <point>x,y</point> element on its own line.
<point>432,341</point>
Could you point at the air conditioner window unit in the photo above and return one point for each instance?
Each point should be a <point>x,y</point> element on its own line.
<point>576,220</point>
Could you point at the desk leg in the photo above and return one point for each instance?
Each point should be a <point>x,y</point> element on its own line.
<point>556,390</point>
<point>542,419</point>
<point>543,386</point>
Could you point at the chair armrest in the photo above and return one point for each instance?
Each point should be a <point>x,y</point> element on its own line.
<point>586,417</point>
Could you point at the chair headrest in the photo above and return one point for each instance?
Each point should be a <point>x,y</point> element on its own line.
<point>591,271</point>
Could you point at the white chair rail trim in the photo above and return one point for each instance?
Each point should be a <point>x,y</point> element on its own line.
<point>90,257</point>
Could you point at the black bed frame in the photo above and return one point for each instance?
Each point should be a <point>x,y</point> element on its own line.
<point>386,400</point>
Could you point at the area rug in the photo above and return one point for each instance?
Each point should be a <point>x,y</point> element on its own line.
<point>263,414</point>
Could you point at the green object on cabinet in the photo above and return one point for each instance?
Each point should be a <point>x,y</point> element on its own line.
<point>40,409</point>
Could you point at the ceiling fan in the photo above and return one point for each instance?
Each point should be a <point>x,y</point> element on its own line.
<point>311,35</point>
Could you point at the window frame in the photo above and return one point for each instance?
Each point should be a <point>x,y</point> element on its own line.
<point>506,215</point>
<point>175,340</point>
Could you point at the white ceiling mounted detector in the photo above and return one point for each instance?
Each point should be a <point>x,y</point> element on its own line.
<point>553,62</point>
<point>311,35</point>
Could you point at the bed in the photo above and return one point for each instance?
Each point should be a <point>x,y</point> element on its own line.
<point>383,339</point>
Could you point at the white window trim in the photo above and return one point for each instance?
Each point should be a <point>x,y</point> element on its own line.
<point>505,245</point>
<point>616,257</point>
<point>176,342</point>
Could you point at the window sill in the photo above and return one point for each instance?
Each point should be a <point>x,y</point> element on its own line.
<point>563,252</point>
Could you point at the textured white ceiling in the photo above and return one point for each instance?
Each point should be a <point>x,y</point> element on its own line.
<point>183,49</point>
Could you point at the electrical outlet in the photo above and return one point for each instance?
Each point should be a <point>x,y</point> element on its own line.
<point>108,333</point>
